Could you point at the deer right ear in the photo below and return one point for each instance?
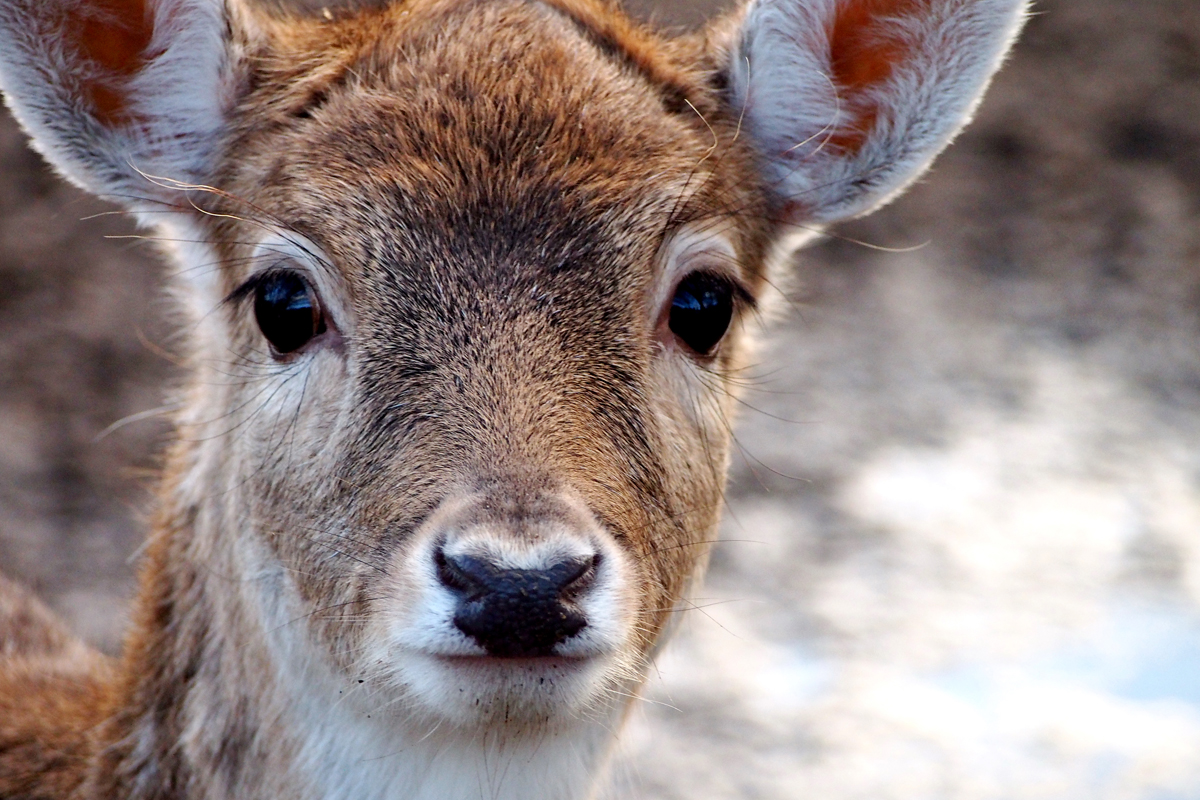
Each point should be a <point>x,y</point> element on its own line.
<point>114,91</point>
<point>849,101</point>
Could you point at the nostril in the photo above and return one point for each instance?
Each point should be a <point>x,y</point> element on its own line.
<point>579,576</point>
<point>459,573</point>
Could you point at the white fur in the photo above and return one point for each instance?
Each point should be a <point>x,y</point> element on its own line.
<point>350,746</point>
<point>349,758</point>
<point>782,83</point>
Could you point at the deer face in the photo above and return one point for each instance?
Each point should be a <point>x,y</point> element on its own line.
<point>485,295</point>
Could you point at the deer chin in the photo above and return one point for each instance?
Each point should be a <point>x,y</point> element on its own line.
<point>529,694</point>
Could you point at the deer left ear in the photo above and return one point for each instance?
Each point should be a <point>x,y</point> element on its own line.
<point>849,101</point>
<point>119,93</point>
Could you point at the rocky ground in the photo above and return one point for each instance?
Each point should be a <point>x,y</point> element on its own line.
<point>962,555</point>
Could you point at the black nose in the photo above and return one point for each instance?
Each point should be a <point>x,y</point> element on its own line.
<point>516,612</point>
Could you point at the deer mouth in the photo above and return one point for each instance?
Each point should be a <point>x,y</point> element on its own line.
<point>524,675</point>
<point>528,663</point>
<point>525,692</point>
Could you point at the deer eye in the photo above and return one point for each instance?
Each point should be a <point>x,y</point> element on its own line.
<point>287,311</point>
<point>701,310</point>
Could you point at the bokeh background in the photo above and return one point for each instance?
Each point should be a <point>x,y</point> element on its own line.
<point>962,553</point>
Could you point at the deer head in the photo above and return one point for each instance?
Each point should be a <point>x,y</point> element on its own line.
<point>465,288</point>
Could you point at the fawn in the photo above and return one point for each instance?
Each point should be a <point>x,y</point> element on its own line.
<point>466,284</point>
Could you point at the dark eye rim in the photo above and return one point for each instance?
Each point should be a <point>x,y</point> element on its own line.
<point>744,302</point>
<point>245,293</point>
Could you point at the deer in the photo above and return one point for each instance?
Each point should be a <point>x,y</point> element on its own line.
<point>464,289</point>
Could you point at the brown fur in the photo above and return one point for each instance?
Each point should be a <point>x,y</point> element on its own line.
<point>52,690</point>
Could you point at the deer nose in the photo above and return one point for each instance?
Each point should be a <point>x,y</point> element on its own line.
<point>516,613</point>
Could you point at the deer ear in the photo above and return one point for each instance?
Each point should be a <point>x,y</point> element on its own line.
<point>113,91</point>
<point>849,101</point>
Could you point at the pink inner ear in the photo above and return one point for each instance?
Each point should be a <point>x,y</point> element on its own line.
<point>863,54</point>
<point>114,35</point>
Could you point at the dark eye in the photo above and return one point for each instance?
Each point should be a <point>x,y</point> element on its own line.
<point>701,311</point>
<point>287,311</point>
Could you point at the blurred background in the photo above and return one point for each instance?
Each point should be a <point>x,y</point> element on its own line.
<point>962,553</point>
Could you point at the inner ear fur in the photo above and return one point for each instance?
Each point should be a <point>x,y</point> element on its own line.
<point>111,39</point>
<point>867,42</point>
<point>849,101</point>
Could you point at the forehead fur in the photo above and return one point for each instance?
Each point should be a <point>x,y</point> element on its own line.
<point>512,114</point>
